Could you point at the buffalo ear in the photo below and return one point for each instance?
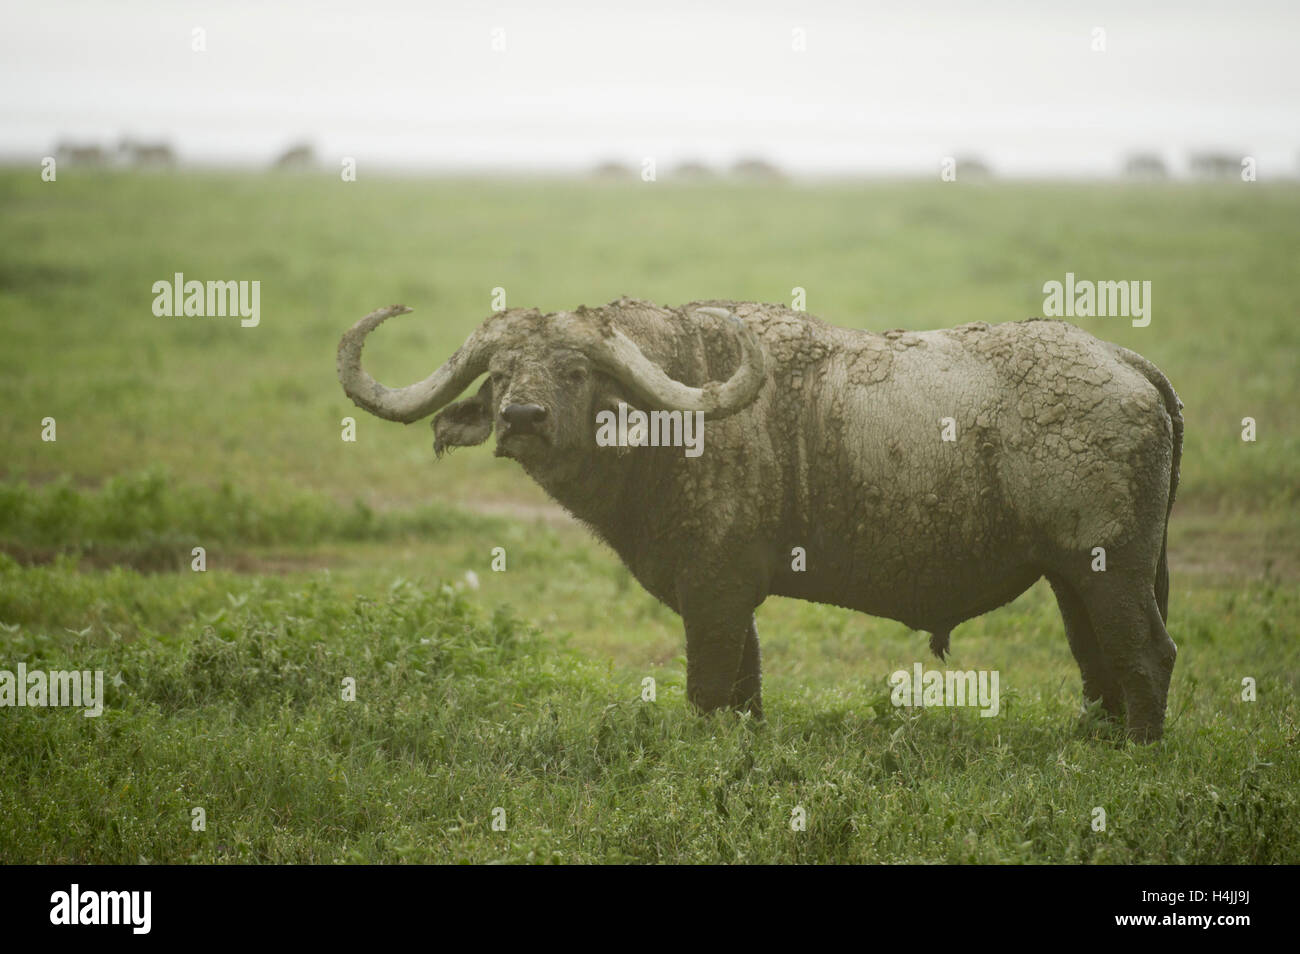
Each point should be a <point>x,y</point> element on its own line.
<point>465,423</point>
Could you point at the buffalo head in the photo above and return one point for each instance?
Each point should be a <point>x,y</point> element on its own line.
<point>547,376</point>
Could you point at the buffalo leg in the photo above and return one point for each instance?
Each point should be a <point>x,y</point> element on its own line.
<point>1134,641</point>
<point>1099,679</point>
<point>747,693</point>
<point>720,637</point>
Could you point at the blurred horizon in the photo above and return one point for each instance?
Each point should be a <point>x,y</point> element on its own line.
<point>453,88</point>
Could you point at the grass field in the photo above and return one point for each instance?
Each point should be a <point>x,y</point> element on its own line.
<point>329,560</point>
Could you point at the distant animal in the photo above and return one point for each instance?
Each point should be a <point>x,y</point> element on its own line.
<point>146,154</point>
<point>927,477</point>
<point>1214,165</point>
<point>301,156</point>
<point>968,167</point>
<point>692,170</point>
<point>83,154</point>
<point>757,169</point>
<point>613,169</point>
<point>1145,166</point>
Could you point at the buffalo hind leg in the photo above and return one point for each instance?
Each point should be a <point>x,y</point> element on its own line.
<point>1134,641</point>
<point>1099,680</point>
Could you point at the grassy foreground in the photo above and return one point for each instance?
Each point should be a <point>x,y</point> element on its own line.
<point>523,690</point>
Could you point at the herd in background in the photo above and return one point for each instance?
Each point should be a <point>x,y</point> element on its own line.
<point>135,154</point>
<point>129,152</point>
<point>301,157</point>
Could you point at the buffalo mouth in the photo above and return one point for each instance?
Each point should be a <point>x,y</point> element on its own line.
<point>521,444</point>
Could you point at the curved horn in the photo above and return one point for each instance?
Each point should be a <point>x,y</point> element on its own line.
<point>416,400</point>
<point>650,385</point>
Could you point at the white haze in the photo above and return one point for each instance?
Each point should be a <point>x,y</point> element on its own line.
<point>883,87</point>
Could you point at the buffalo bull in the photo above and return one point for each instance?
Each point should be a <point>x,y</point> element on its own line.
<point>928,477</point>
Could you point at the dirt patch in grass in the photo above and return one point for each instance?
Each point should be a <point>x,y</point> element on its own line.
<point>1234,546</point>
<point>551,514</point>
<point>1202,543</point>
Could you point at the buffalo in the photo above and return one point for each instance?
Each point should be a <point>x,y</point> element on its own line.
<point>927,477</point>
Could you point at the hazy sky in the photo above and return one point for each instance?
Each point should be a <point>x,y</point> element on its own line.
<point>881,86</point>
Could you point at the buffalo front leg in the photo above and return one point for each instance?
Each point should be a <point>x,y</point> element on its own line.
<point>722,661</point>
<point>747,693</point>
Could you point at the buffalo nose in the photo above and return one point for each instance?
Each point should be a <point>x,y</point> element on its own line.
<point>523,417</point>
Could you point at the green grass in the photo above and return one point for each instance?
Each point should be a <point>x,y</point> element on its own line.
<point>261,406</point>
<point>329,560</point>
<point>230,701</point>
